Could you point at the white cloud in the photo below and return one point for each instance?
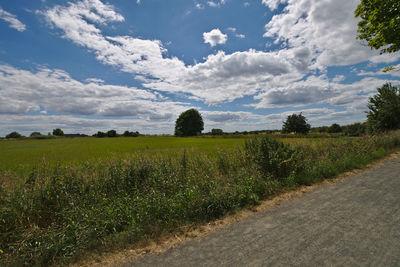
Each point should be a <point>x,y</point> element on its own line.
<point>246,4</point>
<point>22,91</point>
<point>238,35</point>
<point>216,4</point>
<point>273,4</point>
<point>12,20</point>
<point>273,78</point>
<point>327,28</point>
<point>199,6</point>
<point>215,37</point>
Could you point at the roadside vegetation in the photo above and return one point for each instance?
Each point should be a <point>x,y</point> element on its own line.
<point>56,212</point>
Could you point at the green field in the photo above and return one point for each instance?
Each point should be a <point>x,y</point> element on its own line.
<point>21,155</point>
<point>62,198</point>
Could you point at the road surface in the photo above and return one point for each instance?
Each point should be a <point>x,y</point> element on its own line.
<point>355,222</point>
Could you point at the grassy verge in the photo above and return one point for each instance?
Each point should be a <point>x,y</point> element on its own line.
<point>61,211</point>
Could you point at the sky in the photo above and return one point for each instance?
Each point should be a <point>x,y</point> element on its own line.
<point>94,65</point>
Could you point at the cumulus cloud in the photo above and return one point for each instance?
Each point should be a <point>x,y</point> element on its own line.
<point>25,124</point>
<point>22,91</point>
<point>327,28</point>
<point>215,37</point>
<point>12,20</point>
<point>317,33</point>
<point>78,23</point>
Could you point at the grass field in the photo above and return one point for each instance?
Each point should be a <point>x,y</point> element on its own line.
<point>103,194</point>
<point>21,155</point>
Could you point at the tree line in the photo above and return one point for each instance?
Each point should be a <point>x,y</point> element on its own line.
<point>383,115</point>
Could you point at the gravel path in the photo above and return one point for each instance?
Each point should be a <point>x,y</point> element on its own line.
<point>355,222</point>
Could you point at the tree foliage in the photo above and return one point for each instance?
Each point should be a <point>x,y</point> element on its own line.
<point>335,128</point>
<point>131,134</point>
<point>35,134</point>
<point>217,132</point>
<point>297,124</point>
<point>13,135</point>
<point>384,109</point>
<point>112,133</point>
<point>380,24</point>
<point>189,123</point>
<point>58,132</point>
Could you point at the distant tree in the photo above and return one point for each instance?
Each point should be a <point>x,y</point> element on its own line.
<point>35,134</point>
<point>100,134</point>
<point>189,123</point>
<point>217,132</point>
<point>112,133</point>
<point>13,135</point>
<point>380,24</point>
<point>297,124</point>
<point>323,129</point>
<point>355,129</point>
<point>335,128</point>
<point>384,109</point>
<point>58,132</point>
<point>130,134</point>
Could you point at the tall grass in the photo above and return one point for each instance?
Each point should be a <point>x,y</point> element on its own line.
<point>61,211</point>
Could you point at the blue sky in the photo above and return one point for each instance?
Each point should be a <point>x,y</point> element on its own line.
<point>89,65</point>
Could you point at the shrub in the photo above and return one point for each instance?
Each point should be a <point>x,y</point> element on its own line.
<point>274,159</point>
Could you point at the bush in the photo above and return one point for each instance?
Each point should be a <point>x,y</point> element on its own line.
<point>355,129</point>
<point>274,159</point>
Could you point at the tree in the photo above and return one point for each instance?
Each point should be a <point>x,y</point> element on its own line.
<point>189,123</point>
<point>100,134</point>
<point>131,134</point>
<point>58,132</point>
<point>297,124</point>
<point>35,134</point>
<point>384,109</point>
<point>380,24</point>
<point>335,128</point>
<point>112,133</point>
<point>355,129</point>
<point>217,132</point>
<point>13,135</point>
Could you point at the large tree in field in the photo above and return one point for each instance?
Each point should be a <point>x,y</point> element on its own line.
<point>380,24</point>
<point>384,109</point>
<point>296,123</point>
<point>189,123</point>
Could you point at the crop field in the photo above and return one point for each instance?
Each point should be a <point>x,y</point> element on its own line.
<point>21,155</point>
<point>62,198</point>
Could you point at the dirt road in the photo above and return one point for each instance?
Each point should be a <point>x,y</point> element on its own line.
<point>355,222</point>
